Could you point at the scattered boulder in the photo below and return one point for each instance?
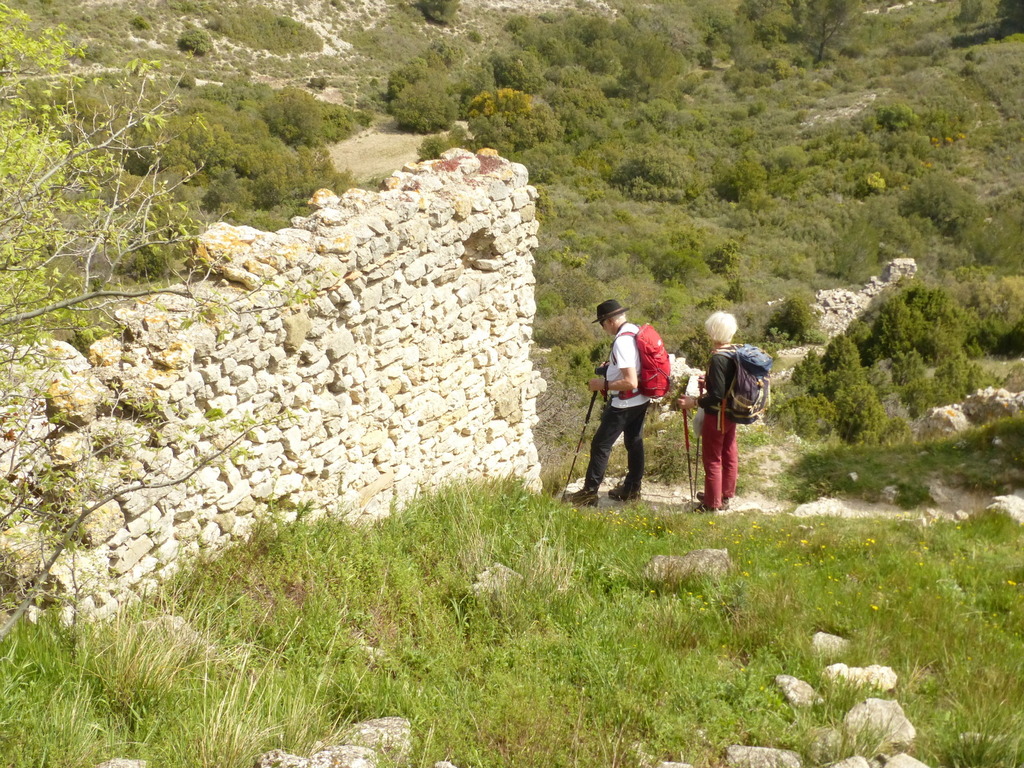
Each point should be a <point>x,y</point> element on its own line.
<point>825,745</point>
<point>797,692</point>
<point>345,756</point>
<point>120,762</point>
<point>672,569</point>
<point>1013,506</point>
<point>495,579</point>
<point>981,407</point>
<point>991,404</point>
<point>391,736</point>
<point>829,645</point>
<point>883,678</point>
<point>761,757</point>
<point>331,757</point>
<point>856,761</point>
<point>904,760</point>
<point>944,420</point>
<point>882,719</point>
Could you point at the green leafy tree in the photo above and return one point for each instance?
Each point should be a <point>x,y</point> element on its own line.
<point>771,20</point>
<point>795,320</point>
<point>510,120</point>
<point>425,106</point>
<point>956,377</point>
<point>823,25</point>
<point>522,71</point>
<point>1011,15</point>
<point>860,416</point>
<point>295,116</point>
<point>922,319</point>
<point>70,216</point>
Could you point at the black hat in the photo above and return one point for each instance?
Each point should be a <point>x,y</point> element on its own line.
<point>609,308</point>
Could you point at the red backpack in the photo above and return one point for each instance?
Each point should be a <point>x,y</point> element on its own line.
<point>655,369</point>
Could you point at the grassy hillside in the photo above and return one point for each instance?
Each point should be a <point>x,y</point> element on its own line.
<point>581,662</point>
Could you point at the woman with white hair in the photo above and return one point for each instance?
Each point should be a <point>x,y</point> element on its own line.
<point>718,433</point>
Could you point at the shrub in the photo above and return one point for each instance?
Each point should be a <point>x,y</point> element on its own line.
<point>926,320</point>
<point>140,23</point>
<point>795,320</point>
<point>425,106</point>
<point>943,200</point>
<point>510,120</point>
<point>895,117</point>
<point>195,41</point>
<point>521,71</point>
<point>435,146</point>
<point>440,11</point>
<point>809,416</point>
<point>860,416</point>
<point>261,28</point>
<point>743,180</point>
<point>295,117</point>
<point>657,173</point>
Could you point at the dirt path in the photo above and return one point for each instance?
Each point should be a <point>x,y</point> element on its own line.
<point>376,152</point>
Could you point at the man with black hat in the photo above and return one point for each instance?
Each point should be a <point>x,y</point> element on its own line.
<point>624,413</point>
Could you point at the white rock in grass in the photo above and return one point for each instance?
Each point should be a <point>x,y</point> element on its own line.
<point>120,762</point>
<point>443,764</point>
<point>883,719</point>
<point>904,760</point>
<point>853,762</point>
<point>1012,506</point>
<point>671,569</point>
<point>825,745</point>
<point>829,645</point>
<point>495,579</point>
<point>392,736</point>
<point>883,678</point>
<point>278,758</point>
<point>797,692</point>
<point>761,757</point>
<point>666,764</point>
<point>344,757</point>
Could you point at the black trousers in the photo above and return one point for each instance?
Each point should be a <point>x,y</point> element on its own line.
<point>628,422</point>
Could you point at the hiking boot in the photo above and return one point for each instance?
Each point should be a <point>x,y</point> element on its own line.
<point>583,498</point>
<point>700,498</point>
<point>622,493</point>
<point>702,509</point>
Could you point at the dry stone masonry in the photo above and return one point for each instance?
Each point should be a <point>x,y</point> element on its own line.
<point>838,307</point>
<point>377,347</point>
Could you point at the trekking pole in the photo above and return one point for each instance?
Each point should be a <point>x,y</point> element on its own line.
<point>689,466</point>
<point>696,456</point>
<point>579,445</point>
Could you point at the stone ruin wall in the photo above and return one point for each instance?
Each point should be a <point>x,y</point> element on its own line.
<point>838,307</point>
<point>379,346</point>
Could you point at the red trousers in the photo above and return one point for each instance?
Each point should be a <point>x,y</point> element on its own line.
<point>721,460</point>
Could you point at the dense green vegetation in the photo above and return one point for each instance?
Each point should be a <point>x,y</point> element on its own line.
<point>581,662</point>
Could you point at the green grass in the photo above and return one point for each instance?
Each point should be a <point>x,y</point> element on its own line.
<point>988,459</point>
<point>302,631</point>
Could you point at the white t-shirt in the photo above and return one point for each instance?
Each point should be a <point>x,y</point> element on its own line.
<point>625,355</point>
